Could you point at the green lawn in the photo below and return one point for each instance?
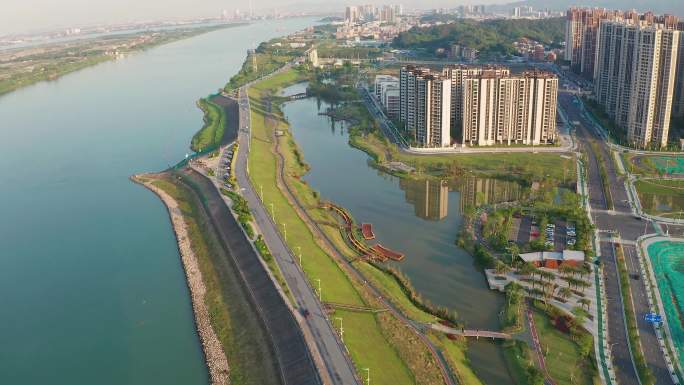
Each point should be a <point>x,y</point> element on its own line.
<point>214,124</point>
<point>369,349</point>
<point>661,197</point>
<point>523,166</point>
<point>363,335</point>
<point>392,290</point>
<point>561,354</point>
<point>336,287</point>
<point>455,353</point>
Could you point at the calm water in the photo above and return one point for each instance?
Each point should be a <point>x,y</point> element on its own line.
<point>419,218</point>
<point>91,286</point>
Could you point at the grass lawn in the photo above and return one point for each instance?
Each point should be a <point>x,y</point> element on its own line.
<point>362,336</point>
<point>454,351</point>
<point>387,347</point>
<point>661,197</point>
<point>336,286</point>
<point>524,166</point>
<point>214,123</point>
<point>561,354</point>
<point>392,290</point>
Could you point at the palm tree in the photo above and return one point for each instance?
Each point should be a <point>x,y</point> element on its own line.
<point>501,268</point>
<point>565,292</point>
<point>527,268</point>
<point>565,270</point>
<point>547,275</point>
<point>584,302</point>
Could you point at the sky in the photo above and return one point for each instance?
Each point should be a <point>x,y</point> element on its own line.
<point>18,16</point>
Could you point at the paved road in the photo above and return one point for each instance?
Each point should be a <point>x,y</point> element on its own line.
<point>340,368</point>
<point>630,228</point>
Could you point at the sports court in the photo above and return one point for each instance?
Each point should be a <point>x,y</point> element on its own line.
<point>667,259</point>
<point>669,164</point>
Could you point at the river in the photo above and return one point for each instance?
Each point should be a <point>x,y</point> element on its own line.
<point>92,289</point>
<point>418,218</point>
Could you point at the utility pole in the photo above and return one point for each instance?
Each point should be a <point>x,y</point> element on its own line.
<point>319,290</point>
<point>341,329</point>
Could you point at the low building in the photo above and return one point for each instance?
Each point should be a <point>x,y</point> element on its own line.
<point>553,259</point>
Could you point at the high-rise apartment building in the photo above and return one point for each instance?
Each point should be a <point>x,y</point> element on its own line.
<point>634,79</point>
<point>425,106</point>
<point>457,74</point>
<point>511,109</point>
<point>678,106</point>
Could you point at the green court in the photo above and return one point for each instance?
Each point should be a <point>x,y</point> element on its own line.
<point>669,164</point>
<point>667,258</point>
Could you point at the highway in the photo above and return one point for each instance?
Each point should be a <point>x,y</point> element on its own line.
<point>630,228</point>
<point>338,366</point>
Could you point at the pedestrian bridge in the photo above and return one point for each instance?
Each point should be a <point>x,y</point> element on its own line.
<point>469,332</point>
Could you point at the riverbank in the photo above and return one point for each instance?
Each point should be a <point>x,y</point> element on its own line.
<point>215,357</point>
<point>27,66</point>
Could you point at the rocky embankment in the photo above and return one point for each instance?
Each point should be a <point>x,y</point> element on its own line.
<point>213,351</point>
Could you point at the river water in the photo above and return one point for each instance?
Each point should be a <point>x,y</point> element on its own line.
<point>418,218</point>
<point>91,286</point>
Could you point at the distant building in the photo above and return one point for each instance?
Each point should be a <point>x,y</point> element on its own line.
<point>386,90</point>
<point>312,56</point>
<point>513,109</point>
<point>634,77</point>
<point>425,106</point>
<point>457,75</point>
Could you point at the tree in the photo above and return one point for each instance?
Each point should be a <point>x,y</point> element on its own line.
<point>566,270</point>
<point>584,302</point>
<point>527,268</point>
<point>547,275</point>
<point>580,315</point>
<point>501,268</point>
<point>565,292</point>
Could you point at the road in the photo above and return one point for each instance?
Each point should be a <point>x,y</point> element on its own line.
<point>621,219</point>
<point>339,367</point>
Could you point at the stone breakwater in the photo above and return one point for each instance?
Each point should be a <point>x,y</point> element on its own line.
<point>213,351</point>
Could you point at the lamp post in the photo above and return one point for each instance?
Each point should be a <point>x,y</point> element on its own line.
<point>319,290</point>
<point>341,329</point>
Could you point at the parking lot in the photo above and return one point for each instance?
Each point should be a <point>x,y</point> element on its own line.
<point>560,235</point>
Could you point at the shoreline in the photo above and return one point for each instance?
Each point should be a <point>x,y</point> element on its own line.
<point>214,356</point>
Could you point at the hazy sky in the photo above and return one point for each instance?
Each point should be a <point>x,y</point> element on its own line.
<point>31,15</point>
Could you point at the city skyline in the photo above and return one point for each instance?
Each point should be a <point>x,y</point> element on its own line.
<point>23,16</point>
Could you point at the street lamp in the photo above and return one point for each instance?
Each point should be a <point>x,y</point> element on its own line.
<point>319,290</point>
<point>272,212</point>
<point>261,188</point>
<point>285,230</point>
<point>341,329</point>
<point>367,375</point>
<point>299,250</point>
